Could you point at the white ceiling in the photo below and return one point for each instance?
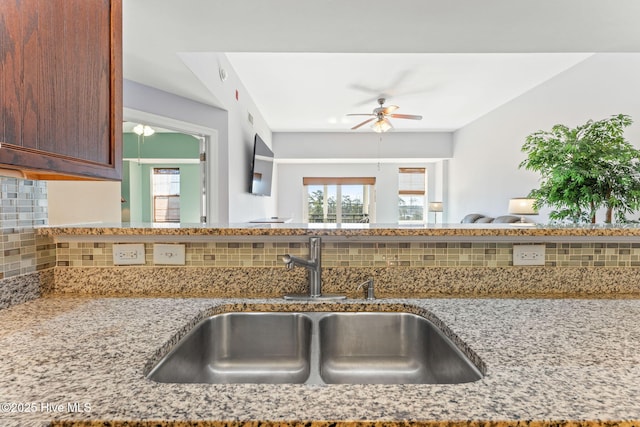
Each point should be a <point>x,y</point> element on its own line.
<point>306,63</point>
<point>314,91</point>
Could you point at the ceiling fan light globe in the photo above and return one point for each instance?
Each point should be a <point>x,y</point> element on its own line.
<point>382,125</point>
<point>143,130</point>
<point>390,109</point>
<point>138,129</point>
<point>381,114</point>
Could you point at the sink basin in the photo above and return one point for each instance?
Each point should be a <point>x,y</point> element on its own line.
<point>389,348</point>
<point>315,348</point>
<point>241,348</point>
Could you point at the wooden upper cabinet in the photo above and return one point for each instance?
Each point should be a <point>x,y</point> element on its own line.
<point>61,88</point>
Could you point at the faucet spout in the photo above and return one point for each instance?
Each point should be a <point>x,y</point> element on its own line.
<point>288,262</point>
<point>314,267</point>
<point>291,261</point>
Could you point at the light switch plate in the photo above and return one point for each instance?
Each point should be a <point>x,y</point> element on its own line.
<point>168,254</point>
<point>528,254</point>
<point>128,254</point>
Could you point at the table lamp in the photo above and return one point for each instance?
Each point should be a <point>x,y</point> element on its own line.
<point>522,206</point>
<point>435,207</point>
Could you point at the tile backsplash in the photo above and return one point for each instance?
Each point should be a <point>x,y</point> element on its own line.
<point>32,264</point>
<point>26,260</point>
<point>23,206</point>
<point>352,254</point>
<point>23,203</point>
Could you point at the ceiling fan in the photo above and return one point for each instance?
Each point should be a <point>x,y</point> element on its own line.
<point>381,116</point>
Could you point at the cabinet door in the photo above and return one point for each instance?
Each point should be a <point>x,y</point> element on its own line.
<point>11,74</point>
<point>61,87</point>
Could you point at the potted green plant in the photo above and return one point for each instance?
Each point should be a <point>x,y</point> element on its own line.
<point>584,169</point>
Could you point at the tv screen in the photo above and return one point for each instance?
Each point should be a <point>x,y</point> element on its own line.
<point>261,168</point>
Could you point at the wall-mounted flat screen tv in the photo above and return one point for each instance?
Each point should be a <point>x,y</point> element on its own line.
<point>261,168</point>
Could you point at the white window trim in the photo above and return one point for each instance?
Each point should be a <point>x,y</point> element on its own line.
<point>368,196</point>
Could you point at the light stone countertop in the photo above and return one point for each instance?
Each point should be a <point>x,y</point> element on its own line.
<point>546,359</point>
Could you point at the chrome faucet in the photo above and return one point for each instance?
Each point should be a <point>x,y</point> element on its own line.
<point>314,268</point>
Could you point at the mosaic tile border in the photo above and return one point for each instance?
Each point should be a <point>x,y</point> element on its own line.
<point>353,254</point>
<point>239,269</point>
<point>23,206</point>
<point>23,203</point>
<point>24,252</point>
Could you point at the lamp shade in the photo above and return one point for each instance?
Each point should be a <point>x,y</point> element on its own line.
<point>522,206</point>
<point>435,206</point>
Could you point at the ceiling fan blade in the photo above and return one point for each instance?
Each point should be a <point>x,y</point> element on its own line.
<point>360,114</point>
<point>363,88</point>
<point>406,116</point>
<point>390,109</point>
<point>363,123</point>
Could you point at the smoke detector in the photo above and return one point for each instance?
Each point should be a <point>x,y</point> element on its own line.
<point>223,74</point>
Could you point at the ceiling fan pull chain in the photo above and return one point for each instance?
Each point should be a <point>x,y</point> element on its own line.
<point>379,144</point>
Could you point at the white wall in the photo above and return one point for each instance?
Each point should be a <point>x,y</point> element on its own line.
<point>72,202</point>
<point>484,172</point>
<point>239,140</point>
<point>357,154</point>
<point>291,190</point>
<point>362,145</point>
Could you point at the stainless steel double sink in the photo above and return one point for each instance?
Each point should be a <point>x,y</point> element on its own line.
<point>315,348</point>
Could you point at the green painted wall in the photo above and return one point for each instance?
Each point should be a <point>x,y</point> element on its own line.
<point>189,191</point>
<point>161,146</point>
<point>136,180</point>
<point>132,208</point>
<point>139,200</point>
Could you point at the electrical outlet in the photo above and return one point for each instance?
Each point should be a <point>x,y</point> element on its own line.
<point>528,255</point>
<point>168,254</point>
<point>128,254</point>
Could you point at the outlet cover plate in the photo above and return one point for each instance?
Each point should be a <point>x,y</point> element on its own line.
<point>528,254</point>
<point>128,254</point>
<point>168,254</point>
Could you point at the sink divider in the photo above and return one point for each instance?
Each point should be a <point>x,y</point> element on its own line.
<point>314,354</point>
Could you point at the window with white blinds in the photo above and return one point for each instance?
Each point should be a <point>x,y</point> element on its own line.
<point>412,194</point>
